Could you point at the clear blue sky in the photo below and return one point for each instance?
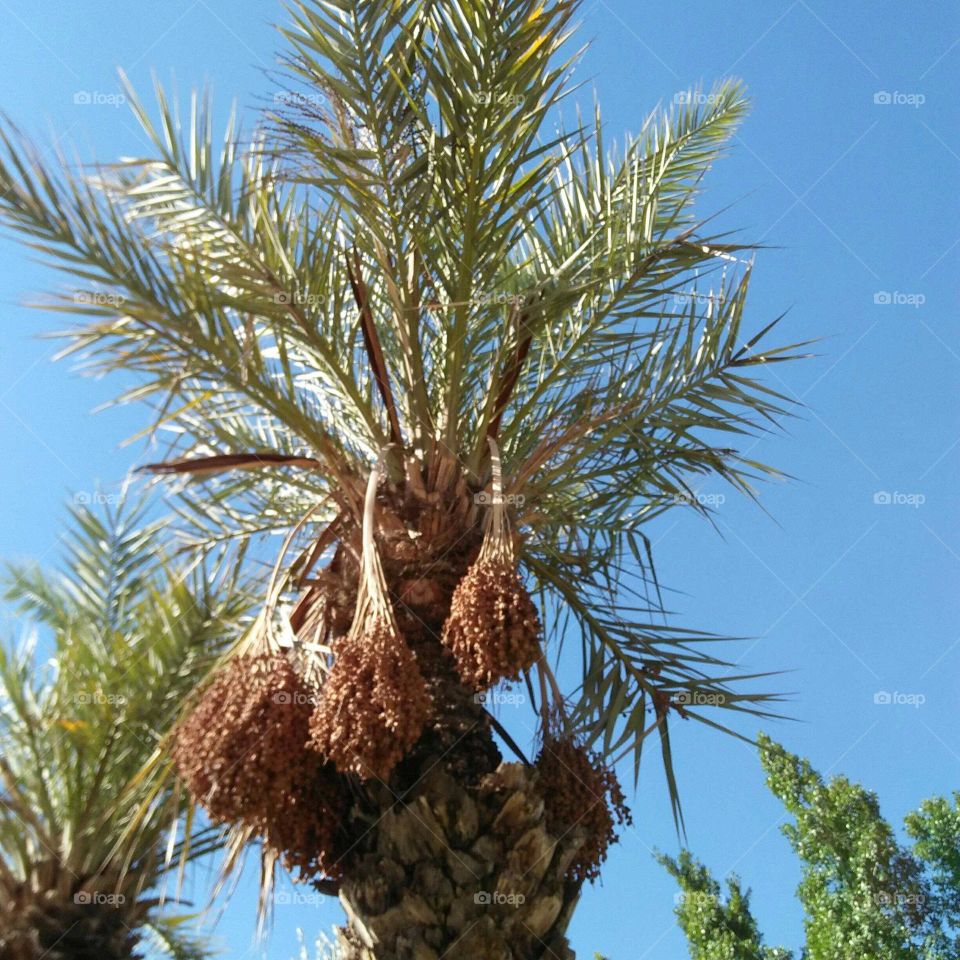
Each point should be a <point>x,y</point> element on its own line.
<point>859,200</point>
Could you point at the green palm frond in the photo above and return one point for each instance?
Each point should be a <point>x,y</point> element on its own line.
<point>173,937</point>
<point>412,251</point>
<point>110,559</point>
<point>112,647</point>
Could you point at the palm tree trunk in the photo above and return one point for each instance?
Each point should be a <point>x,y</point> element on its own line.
<point>54,915</point>
<point>461,871</point>
<point>452,857</point>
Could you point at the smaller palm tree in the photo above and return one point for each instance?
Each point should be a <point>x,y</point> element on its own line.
<point>113,647</point>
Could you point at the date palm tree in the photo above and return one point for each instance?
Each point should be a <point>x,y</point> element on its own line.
<point>113,646</point>
<point>411,263</point>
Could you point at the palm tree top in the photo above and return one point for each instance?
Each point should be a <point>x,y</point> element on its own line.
<point>410,254</point>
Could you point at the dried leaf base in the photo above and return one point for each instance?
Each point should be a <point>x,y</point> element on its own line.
<point>54,915</point>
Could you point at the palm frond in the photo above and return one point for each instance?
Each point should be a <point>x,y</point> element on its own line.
<point>128,636</point>
<point>172,937</point>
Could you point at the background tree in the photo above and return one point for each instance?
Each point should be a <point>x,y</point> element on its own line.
<point>410,267</point>
<point>865,895</point>
<point>115,644</point>
<point>717,927</point>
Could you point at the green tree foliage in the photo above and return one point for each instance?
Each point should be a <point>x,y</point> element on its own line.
<point>716,927</point>
<point>865,894</point>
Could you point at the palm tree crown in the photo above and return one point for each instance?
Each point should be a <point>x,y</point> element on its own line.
<point>84,840</point>
<point>407,261</point>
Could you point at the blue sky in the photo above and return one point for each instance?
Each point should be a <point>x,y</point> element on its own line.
<point>847,169</point>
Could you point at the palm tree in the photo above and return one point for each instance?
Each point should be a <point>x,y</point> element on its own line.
<point>114,646</point>
<point>533,346</point>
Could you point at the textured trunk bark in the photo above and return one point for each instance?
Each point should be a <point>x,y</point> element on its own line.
<point>67,920</point>
<point>461,871</point>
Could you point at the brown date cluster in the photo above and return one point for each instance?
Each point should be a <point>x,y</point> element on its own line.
<point>281,744</point>
<point>580,792</point>
<point>374,704</point>
<point>493,630</point>
<point>243,753</point>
